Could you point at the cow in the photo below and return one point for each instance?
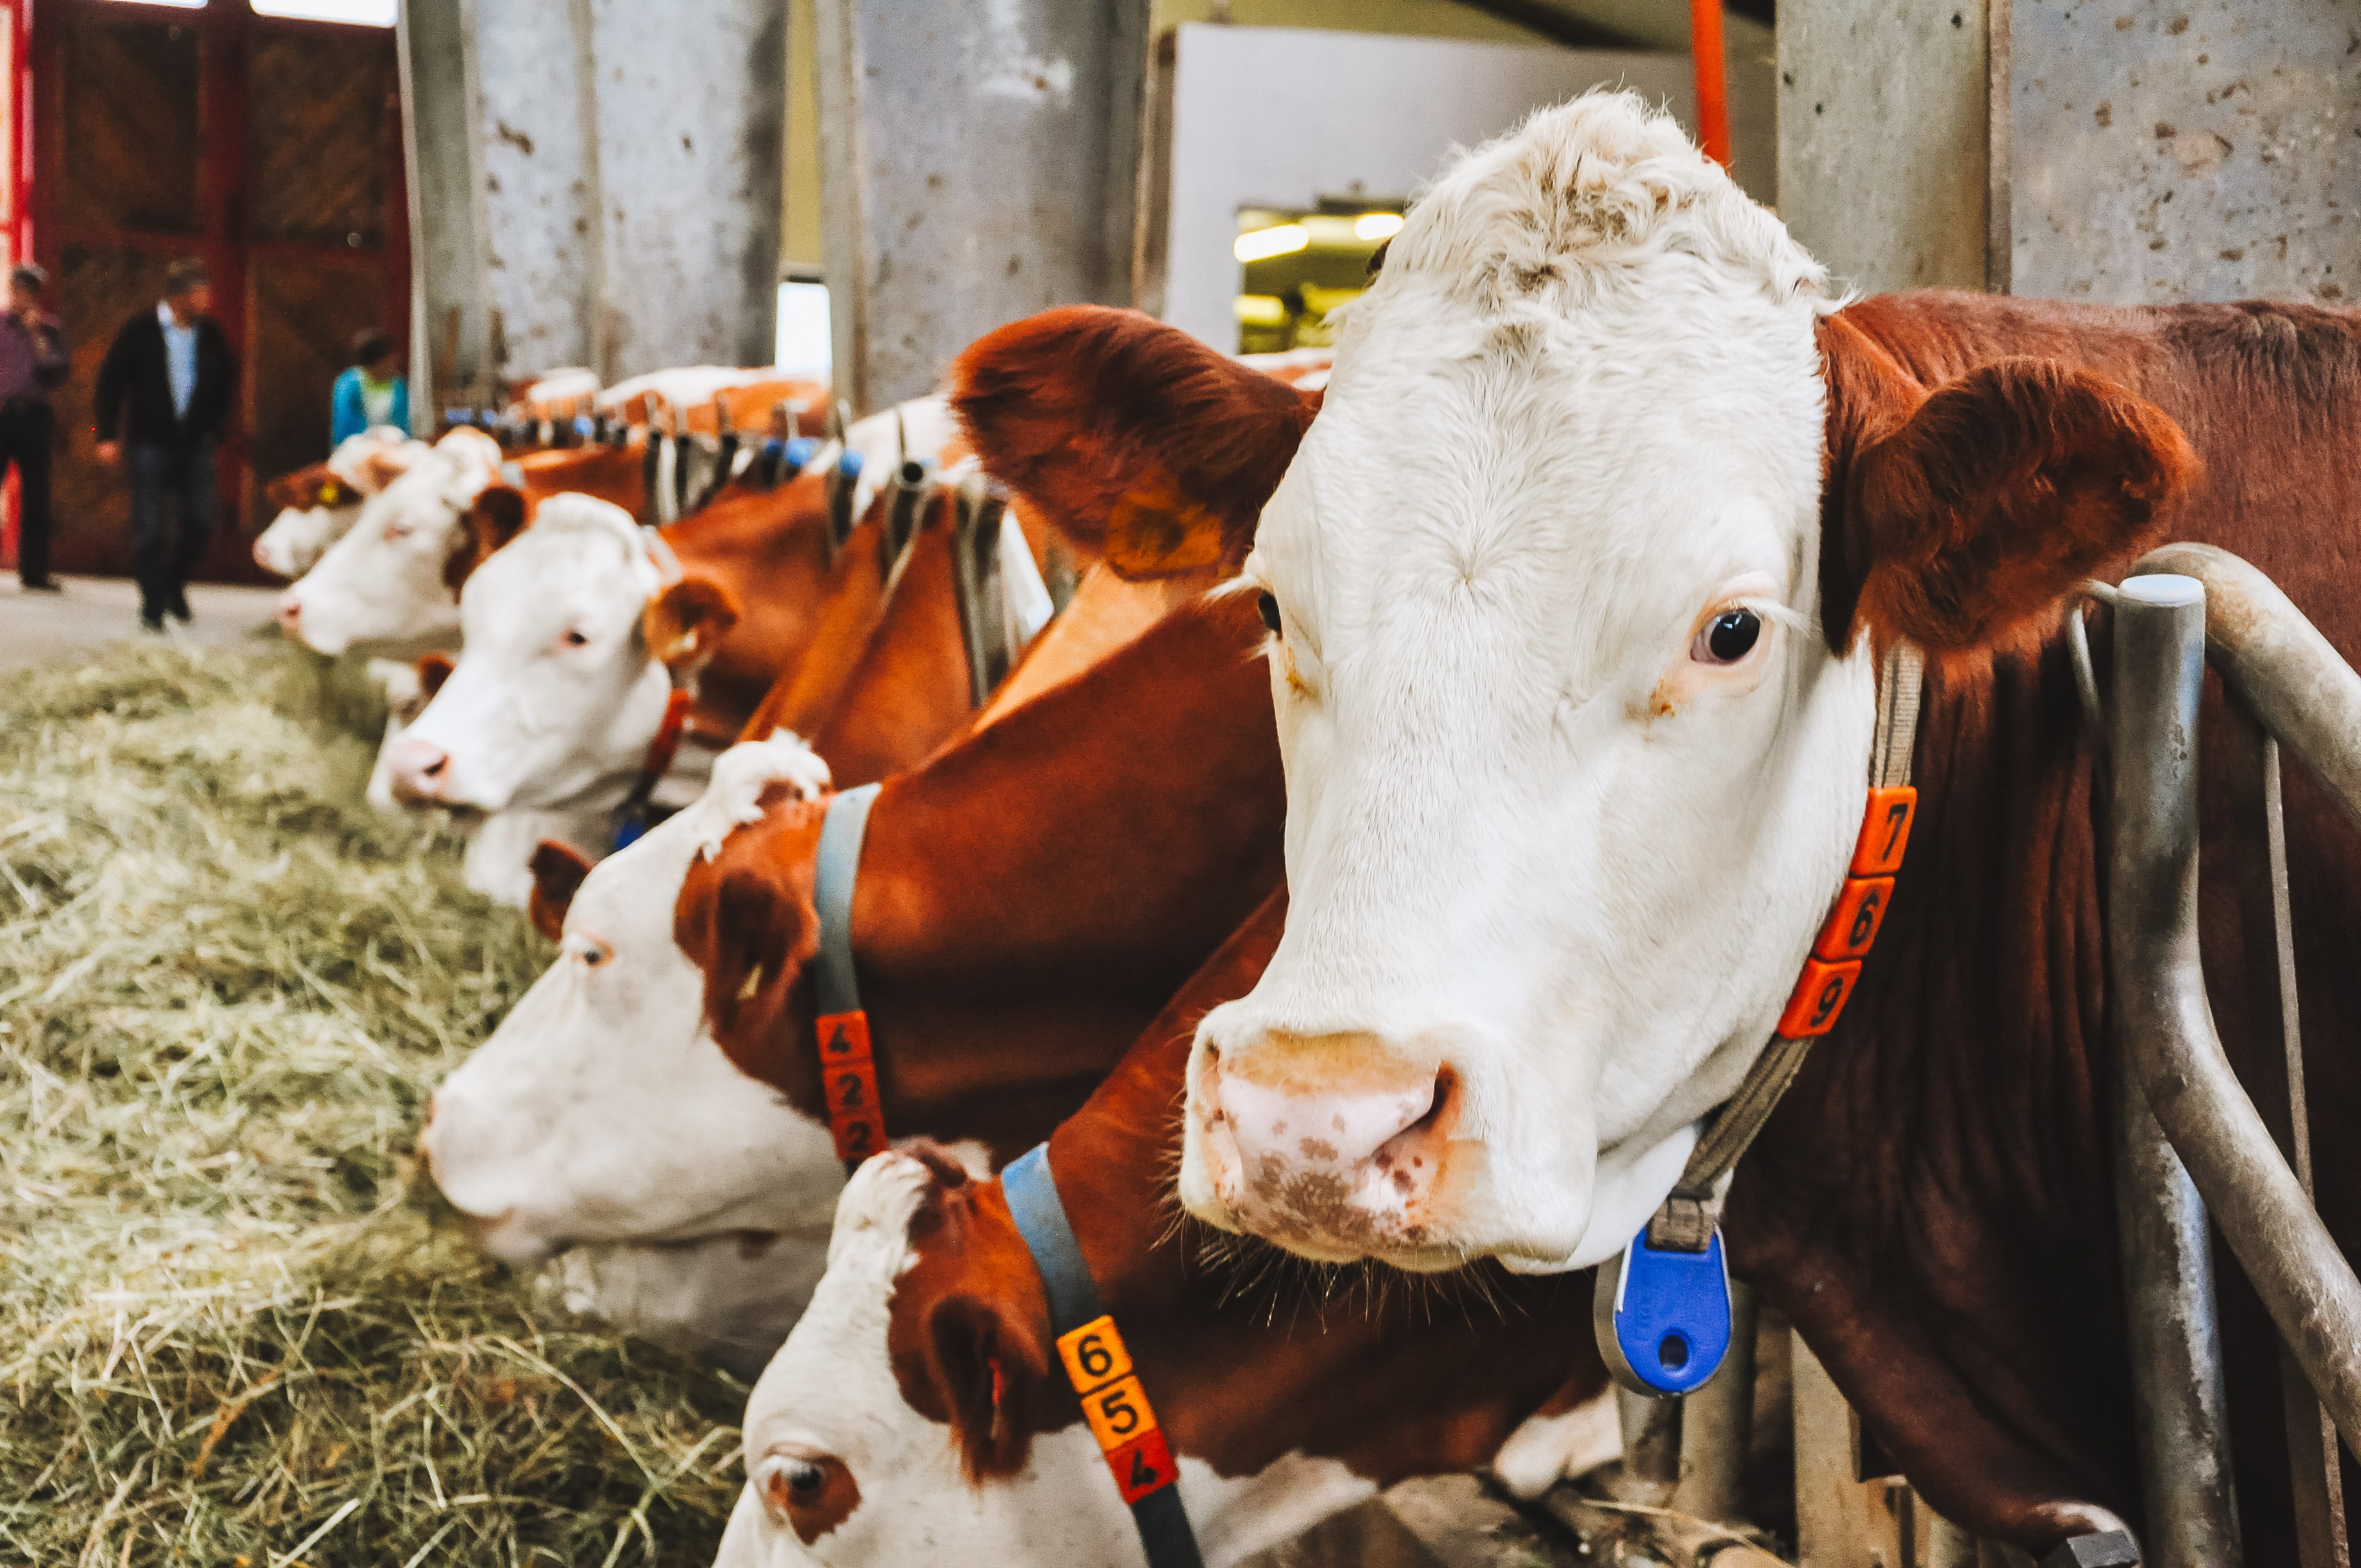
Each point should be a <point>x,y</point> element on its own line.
<point>394,577</point>
<point>1576,707</point>
<point>918,1414</point>
<point>319,503</point>
<point>581,612</point>
<point>1140,801</point>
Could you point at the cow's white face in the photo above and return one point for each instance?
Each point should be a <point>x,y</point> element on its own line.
<point>383,581</point>
<point>554,697</point>
<point>843,1472</point>
<point>603,1109</point>
<point>1571,772</point>
<point>299,536</point>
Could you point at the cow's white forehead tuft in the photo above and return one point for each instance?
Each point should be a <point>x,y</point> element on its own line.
<point>1599,183</point>
<point>873,1214</point>
<point>741,774</point>
<point>573,514</point>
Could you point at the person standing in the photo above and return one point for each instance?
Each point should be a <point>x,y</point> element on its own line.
<point>32,363</point>
<point>370,393</point>
<point>164,392</point>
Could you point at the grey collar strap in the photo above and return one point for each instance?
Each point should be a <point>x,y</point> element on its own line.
<point>841,838</point>
<point>1100,1369</point>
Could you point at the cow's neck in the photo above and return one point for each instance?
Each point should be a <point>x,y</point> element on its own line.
<point>771,549</point>
<point>807,691</point>
<point>1932,1203</point>
<point>909,691</point>
<point>1029,901</point>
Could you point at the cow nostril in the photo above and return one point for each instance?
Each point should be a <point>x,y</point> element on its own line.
<point>433,770</point>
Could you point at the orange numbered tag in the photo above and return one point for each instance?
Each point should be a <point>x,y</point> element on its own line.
<point>1093,1355</point>
<point>1117,1413</point>
<point>1852,924</point>
<point>1114,1404</point>
<point>852,1111</point>
<point>1884,832</point>
<point>1142,1466</point>
<point>843,1036</point>
<point>1820,996</point>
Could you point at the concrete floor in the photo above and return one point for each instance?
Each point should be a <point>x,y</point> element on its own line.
<point>95,611</point>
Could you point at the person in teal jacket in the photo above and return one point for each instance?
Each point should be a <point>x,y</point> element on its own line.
<point>371,394</point>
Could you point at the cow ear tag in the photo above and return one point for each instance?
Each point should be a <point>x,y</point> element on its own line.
<point>1663,1316</point>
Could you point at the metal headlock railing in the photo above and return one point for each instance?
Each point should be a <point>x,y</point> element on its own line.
<point>2191,1141</point>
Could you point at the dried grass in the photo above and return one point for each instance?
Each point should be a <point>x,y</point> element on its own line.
<point>233,1327</point>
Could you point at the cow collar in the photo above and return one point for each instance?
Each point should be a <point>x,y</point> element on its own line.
<point>847,1070</point>
<point>1662,1310</point>
<point>1099,1366</point>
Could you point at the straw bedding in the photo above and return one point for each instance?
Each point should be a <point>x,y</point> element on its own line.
<point>235,1327</point>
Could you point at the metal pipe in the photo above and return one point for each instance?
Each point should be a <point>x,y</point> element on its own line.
<point>2178,1400</point>
<point>2290,676</point>
<point>1652,1448</point>
<point>1718,1422</point>
<point>2160,1001</point>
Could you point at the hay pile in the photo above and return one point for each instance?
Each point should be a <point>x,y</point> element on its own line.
<point>233,1329</point>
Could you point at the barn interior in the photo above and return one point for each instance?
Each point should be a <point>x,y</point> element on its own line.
<point>701,285</point>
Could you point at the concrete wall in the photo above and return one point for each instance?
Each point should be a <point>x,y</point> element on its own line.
<point>977,164</point>
<point>601,182</point>
<point>2145,151</point>
<point>2187,149</point>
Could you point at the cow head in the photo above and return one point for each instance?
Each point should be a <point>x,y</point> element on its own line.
<point>601,1110</point>
<point>1575,696</point>
<point>909,1405</point>
<point>318,504</point>
<point>390,578</point>
<point>557,693</point>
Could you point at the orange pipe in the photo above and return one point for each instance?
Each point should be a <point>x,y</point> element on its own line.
<point>1713,79</point>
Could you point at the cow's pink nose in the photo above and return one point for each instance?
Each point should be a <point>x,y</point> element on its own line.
<point>291,609</point>
<point>262,557</point>
<point>420,770</point>
<point>1336,1143</point>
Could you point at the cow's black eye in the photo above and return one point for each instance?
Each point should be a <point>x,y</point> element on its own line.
<point>1269,608</point>
<point>1727,637</point>
<point>804,1480</point>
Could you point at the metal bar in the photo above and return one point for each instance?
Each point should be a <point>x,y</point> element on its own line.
<point>1651,1447</point>
<point>2178,1400</point>
<point>2304,695</point>
<point>2290,676</point>
<point>2259,851</point>
<point>1718,1422</point>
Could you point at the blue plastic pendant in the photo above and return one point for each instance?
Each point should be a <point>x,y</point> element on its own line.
<point>630,830</point>
<point>1662,1317</point>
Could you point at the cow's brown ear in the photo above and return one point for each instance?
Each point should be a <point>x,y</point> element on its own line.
<point>686,619</point>
<point>745,919</point>
<point>1132,438</point>
<point>496,516</point>
<point>557,872</point>
<point>989,1374</point>
<point>433,669</point>
<point>1981,509</point>
<point>382,466</point>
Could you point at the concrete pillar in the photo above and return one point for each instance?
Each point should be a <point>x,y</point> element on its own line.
<point>2143,152</point>
<point>599,182</point>
<point>977,164</point>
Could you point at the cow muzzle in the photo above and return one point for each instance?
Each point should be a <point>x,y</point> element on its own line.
<point>419,772</point>
<point>1335,1147</point>
<point>290,606</point>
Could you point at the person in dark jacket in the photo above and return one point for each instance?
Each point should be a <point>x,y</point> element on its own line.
<point>164,395</point>
<point>32,362</point>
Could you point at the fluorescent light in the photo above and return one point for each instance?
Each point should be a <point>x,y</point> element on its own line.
<point>1376,225</point>
<point>805,344</point>
<point>360,13</point>
<point>1261,245</point>
<point>1260,310</point>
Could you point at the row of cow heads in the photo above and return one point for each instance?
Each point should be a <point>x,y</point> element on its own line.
<point>1572,692</point>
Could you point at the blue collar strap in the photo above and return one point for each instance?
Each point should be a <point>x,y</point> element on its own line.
<point>1099,1366</point>
<point>847,1070</point>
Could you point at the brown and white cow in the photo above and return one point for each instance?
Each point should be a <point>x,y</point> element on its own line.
<point>1576,703</point>
<point>319,503</point>
<point>918,1414</point>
